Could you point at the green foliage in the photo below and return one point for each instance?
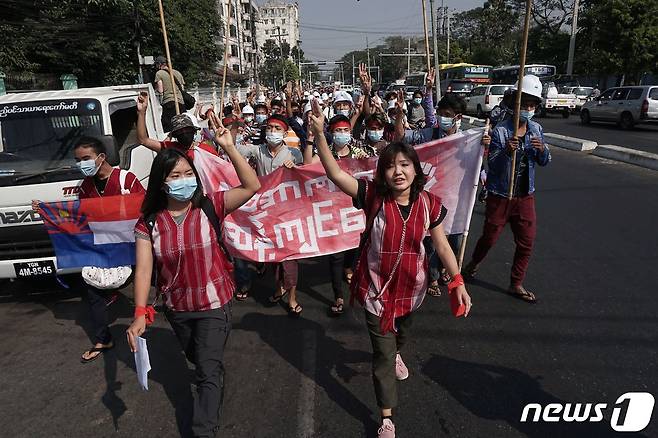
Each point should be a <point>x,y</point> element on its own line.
<point>97,39</point>
<point>276,60</point>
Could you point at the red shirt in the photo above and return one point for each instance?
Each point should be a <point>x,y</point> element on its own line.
<point>192,271</point>
<point>113,186</point>
<point>190,153</point>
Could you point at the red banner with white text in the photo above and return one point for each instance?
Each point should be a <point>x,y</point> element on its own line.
<point>300,213</point>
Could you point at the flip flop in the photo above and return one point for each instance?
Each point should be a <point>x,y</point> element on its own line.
<point>242,295</point>
<point>433,289</point>
<point>100,351</point>
<point>524,295</point>
<point>276,298</point>
<point>295,311</point>
<point>336,309</point>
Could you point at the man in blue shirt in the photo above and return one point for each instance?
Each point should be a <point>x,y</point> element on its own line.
<point>519,211</point>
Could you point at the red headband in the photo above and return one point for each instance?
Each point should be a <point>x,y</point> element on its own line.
<point>281,123</point>
<point>340,124</point>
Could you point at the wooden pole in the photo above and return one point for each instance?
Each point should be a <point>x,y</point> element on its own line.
<point>427,38</point>
<point>517,105</point>
<point>174,87</point>
<point>227,33</point>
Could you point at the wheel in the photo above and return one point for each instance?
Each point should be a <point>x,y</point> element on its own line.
<point>584,117</point>
<point>480,113</point>
<point>565,114</point>
<point>626,121</point>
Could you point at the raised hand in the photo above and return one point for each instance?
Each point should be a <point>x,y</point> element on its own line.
<point>364,77</point>
<point>317,118</point>
<point>431,76</point>
<point>142,102</point>
<point>224,139</point>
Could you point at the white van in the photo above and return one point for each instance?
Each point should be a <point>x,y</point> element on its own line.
<point>483,99</point>
<point>37,134</point>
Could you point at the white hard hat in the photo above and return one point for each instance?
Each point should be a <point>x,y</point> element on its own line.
<point>261,99</point>
<point>306,93</point>
<point>324,96</point>
<point>391,104</point>
<point>307,107</point>
<point>531,85</point>
<point>247,109</point>
<point>316,94</point>
<point>343,96</point>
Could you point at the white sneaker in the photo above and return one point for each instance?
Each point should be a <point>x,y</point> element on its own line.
<point>387,430</point>
<point>401,370</point>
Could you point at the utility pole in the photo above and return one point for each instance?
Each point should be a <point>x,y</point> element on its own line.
<point>353,78</point>
<point>368,50</point>
<point>572,40</point>
<point>138,37</point>
<point>448,35</point>
<point>283,61</point>
<point>437,81</point>
<point>408,56</point>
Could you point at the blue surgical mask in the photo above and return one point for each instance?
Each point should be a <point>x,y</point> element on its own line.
<point>418,100</point>
<point>375,135</point>
<point>446,123</point>
<point>345,113</point>
<point>274,138</point>
<point>342,138</point>
<point>260,118</point>
<point>182,189</point>
<point>526,115</point>
<point>88,167</point>
<point>239,139</point>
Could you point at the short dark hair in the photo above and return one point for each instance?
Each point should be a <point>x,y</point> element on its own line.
<point>386,157</point>
<point>376,117</point>
<point>88,141</point>
<point>276,102</point>
<point>280,118</point>
<point>453,102</point>
<point>418,92</point>
<point>259,106</point>
<point>339,118</point>
<point>155,199</point>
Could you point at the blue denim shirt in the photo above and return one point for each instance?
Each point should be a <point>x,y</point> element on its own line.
<point>500,160</point>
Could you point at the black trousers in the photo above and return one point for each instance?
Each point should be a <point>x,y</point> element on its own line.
<point>203,337</point>
<point>338,262</point>
<point>169,111</point>
<point>97,299</point>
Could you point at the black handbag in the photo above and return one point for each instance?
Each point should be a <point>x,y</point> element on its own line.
<point>188,100</point>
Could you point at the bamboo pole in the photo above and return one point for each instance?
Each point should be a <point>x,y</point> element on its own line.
<point>427,38</point>
<point>174,87</point>
<point>517,105</point>
<point>227,33</point>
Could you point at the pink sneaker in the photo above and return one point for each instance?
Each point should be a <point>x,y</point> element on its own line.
<point>401,370</point>
<point>387,430</point>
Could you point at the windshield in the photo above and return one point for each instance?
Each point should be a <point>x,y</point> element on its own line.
<point>461,86</point>
<point>39,136</point>
<point>499,89</point>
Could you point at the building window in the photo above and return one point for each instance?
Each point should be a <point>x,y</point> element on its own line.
<point>233,32</point>
<point>234,50</point>
<point>283,21</point>
<point>236,67</point>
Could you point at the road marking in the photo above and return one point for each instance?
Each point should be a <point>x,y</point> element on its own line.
<point>306,399</point>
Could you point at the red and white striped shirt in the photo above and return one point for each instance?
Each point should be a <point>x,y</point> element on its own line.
<point>193,272</point>
<point>120,182</point>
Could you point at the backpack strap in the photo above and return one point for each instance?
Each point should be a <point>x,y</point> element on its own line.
<point>122,181</point>
<point>208,209</point>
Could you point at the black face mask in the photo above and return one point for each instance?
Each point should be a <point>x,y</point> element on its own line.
<point>185,138</point>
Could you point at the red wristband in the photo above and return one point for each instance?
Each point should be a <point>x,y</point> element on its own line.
<point>457,280</point>
<point>147,311</point>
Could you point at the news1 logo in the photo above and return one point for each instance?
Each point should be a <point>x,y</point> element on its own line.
<point>630,413</point>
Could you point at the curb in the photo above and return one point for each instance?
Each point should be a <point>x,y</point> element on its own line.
<point>627,155</point>
<point>609,151</point>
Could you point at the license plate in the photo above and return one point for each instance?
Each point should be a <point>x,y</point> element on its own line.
<point>34,269</point>
<point>561,102</point>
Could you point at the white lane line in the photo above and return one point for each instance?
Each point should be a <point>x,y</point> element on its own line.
<point>307,388</point>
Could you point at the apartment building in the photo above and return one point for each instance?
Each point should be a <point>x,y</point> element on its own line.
<point>278,16</point>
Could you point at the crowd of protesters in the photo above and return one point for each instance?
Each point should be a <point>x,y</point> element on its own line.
<point>404,253</point>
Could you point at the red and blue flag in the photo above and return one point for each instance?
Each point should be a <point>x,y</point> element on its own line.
<point>93,232</point>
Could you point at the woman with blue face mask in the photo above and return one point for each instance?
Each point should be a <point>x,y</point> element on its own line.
<point>180,233</point>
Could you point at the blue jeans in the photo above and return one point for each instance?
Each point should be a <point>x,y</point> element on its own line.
<point>243,275</point>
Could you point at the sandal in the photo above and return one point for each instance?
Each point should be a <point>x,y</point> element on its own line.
<point>276,298</point>
<point>295,311</point>
<point>445,277</point>
<point>99,350</point>
<point>348,277</point>
<point>336,309</point>
<point>469,271</point>
<point>433,289</point>
<point>523,294</point>
<point>242,295</point>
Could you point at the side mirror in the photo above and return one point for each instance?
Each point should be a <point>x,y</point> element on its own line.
<point>111,148</point>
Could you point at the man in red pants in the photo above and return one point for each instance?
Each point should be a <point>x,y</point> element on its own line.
<point>519,211</point>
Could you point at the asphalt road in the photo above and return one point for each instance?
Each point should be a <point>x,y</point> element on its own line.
<point>590,339</point>
<point>641,137</point>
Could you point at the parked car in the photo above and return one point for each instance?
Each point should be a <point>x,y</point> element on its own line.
<point>484,98</point>
<point>626,106</point>
<point>582,93</point>
<point>555,102</point>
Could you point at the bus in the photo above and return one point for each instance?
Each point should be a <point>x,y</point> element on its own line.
<point>461,78</point>
<point>510,74</point>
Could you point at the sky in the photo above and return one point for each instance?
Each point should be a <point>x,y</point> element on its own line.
<point>351,19</point>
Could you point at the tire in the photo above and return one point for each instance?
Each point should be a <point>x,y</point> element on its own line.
<point>565,114</point>
<point>585,119</point>
<point>479,113</point>
<point>626,121</point>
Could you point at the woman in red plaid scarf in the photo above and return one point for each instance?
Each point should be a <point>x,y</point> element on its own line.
<point>391,274</point>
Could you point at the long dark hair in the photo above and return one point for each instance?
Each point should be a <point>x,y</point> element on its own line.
<point>155,199</point>
<point>386,157</point>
